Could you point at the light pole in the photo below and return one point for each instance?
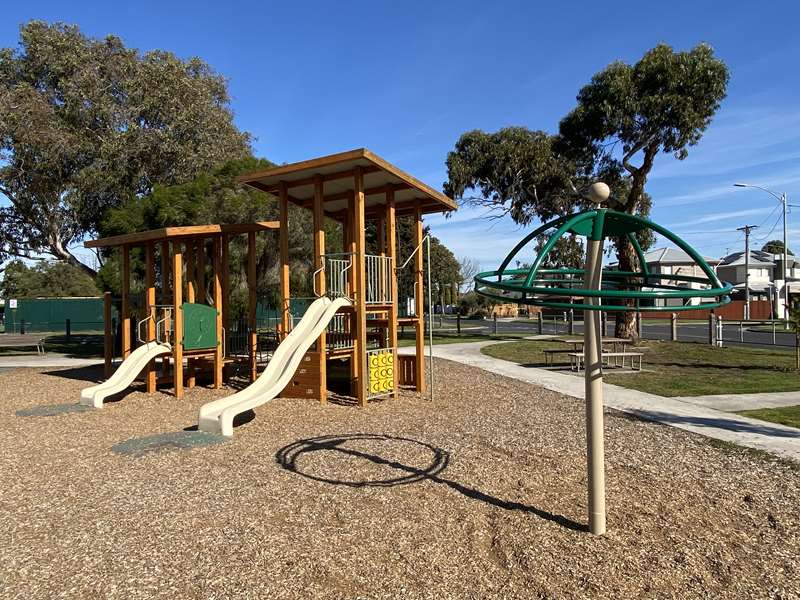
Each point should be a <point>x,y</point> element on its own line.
<point>782,199</point>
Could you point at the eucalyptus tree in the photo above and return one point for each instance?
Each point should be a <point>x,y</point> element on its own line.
<point>87,124</point>
<point>625,117</point>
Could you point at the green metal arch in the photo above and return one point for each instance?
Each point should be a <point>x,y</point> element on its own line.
<point>536,285</point>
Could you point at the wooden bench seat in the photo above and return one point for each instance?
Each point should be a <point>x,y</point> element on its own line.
<point>576,359</point>
<point>548,354</point>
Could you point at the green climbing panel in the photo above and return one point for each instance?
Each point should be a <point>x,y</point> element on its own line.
<point>199,326</point>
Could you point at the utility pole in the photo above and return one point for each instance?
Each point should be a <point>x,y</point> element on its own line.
<point>784,202</point>
<point>747,229</point>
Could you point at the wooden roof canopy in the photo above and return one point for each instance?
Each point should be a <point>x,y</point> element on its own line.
<point>177,233</point>
<point>337,172</point>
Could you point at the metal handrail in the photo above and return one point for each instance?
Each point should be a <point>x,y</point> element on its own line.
<point>314,279</point>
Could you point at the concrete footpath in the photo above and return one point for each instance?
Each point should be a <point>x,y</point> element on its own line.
<point>46,361</point>
<point>675,412</point>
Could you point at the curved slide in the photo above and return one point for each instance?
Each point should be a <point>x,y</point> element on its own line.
<point>217,416</point>
<point>124,375</point>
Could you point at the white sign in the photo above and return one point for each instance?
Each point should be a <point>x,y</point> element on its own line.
<point>12,303</point>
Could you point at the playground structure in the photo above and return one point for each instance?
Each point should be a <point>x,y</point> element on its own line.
<point>357,322</point>
<point>591,286</point>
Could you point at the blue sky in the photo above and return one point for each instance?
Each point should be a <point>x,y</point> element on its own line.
<point>406,79</point>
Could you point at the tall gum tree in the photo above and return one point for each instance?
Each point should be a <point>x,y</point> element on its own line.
<point>88,124</point>
<point>625,117</point>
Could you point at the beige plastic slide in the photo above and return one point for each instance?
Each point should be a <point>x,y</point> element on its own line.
<point>124,375</point>
<point>217,416</point>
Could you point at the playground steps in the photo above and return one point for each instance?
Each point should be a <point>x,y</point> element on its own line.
<point>307,379</point>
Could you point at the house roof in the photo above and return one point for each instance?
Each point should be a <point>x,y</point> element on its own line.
<point>336,172</point>
<point>672,256</point>
<point>757,259</point>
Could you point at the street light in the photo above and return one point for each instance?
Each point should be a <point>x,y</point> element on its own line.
<point>782,199</point>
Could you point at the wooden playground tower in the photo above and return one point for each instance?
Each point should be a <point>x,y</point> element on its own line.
<point>352,188</point>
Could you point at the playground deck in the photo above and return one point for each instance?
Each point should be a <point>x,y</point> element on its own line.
<point>480,494</point>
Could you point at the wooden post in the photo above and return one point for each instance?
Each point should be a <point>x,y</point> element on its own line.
<point>391,252</point>
<point>226,290</point>
<point>191,297</point>
<point>166,298</point>
<point>283,198</point>
<point>108,336</point>
<point>150,310</point>
<point>380,293</point>
<point>191,272</point>
<point>319,266</point>
<point>419,307</point>
<point>218,355</point>
<point>251,303</point>
<point>350,247</point>
<point>200,258</point>
<point>125,317</point>
<point>177,299</point>
<point>359,227</point>
<point>226,279</point>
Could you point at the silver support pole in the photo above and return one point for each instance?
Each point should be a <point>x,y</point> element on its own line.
<point>593,350</point>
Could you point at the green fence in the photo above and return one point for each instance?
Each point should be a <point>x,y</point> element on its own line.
<point>85,315</point>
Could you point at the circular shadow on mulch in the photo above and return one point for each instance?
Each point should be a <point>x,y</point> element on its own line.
<point>420,459</point>
<point>53,410</point>
<point>175,440</point>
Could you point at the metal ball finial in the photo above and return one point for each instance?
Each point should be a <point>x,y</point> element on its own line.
<point>598,192</point>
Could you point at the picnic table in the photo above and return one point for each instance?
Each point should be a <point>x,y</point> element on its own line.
<point>619,352</point>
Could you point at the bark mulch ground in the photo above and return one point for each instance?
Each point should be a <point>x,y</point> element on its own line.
<point>478,494</point>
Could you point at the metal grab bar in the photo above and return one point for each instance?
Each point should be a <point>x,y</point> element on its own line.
<point>314,279</point>
<point>139,327</point>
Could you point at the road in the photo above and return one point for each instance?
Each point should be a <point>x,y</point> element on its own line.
<point>687,332</point>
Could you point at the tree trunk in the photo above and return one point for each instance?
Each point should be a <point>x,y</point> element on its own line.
<point>626,321</point>
<point>625,326</point>
<point>61,253</point>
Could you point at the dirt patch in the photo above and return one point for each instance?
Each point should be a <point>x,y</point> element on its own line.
<point>478,494</point>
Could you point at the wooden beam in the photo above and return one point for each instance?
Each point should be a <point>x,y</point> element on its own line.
<point>217,294</point>
<point>283,202</point>
<point>302,181</point>
<point>319,267</point>
<point>172,233</point>
<point>251,303</point>
<point>373,191</point>
<point>177,299</point>
<point>150,310</point>
<point>391,252</point>
<point>419,305</point>
<point>125,316</point>
<point>359,228</point>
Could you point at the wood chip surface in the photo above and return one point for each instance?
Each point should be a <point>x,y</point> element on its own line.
<point>480,494</point>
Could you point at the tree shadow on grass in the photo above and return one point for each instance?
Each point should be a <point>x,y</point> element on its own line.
<point>287,457</point>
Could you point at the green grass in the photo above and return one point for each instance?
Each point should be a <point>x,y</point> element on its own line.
<point>784,415</point>
<point>683,369</point>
